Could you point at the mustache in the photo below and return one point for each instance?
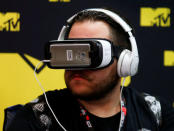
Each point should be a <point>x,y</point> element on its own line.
<point>82,74</point>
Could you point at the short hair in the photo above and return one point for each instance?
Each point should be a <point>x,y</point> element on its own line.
<point>118,36</point>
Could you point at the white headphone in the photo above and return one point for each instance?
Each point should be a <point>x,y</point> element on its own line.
<point>128,60</point>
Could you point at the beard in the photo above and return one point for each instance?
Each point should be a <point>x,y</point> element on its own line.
<point>98,90</point>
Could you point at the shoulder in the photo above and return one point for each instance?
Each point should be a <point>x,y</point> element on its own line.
<point>160,108</point>
<point>23,119</point>
<point>148,98</point>
<point>144,102</point>
<point>36,114</point>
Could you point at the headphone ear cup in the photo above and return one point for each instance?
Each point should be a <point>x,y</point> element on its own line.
<point>124,63</point>
<point>127,64</point>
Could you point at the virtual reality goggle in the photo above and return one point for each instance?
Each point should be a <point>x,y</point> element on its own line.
<point>81,53</point>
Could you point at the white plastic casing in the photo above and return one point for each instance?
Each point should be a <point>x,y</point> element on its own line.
<point>107,56</point>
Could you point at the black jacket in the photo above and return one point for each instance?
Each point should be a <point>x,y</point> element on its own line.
<point>35,116</point>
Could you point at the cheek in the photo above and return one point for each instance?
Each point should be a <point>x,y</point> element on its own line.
<point>108,73</point>
<point>66,76</point>
<point>100,77</point>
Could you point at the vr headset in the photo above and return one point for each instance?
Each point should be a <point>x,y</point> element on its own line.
<point>93,53</point>
<point>81,53</point>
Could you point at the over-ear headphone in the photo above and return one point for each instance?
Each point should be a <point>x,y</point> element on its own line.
<point>128,60</point>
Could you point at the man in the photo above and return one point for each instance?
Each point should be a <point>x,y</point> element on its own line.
<point>93,99</point>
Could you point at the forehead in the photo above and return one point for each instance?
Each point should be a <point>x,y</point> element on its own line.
<point>90,29</point>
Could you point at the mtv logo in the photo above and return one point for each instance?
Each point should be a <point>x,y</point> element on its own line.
<point>159,17</point>
<point>10,21</point>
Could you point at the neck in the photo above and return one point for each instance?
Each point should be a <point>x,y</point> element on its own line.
<point>104,107</point>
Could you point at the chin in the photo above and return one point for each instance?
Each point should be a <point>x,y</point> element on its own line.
<point>79,89</point>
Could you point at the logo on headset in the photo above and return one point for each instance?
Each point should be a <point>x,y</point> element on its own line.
<point>168,58</point>
<point>10,21</point>
<point>65,1</point>
<point>159,17</point>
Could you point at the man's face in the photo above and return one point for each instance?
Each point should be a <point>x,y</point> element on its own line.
<point>91,84</point>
